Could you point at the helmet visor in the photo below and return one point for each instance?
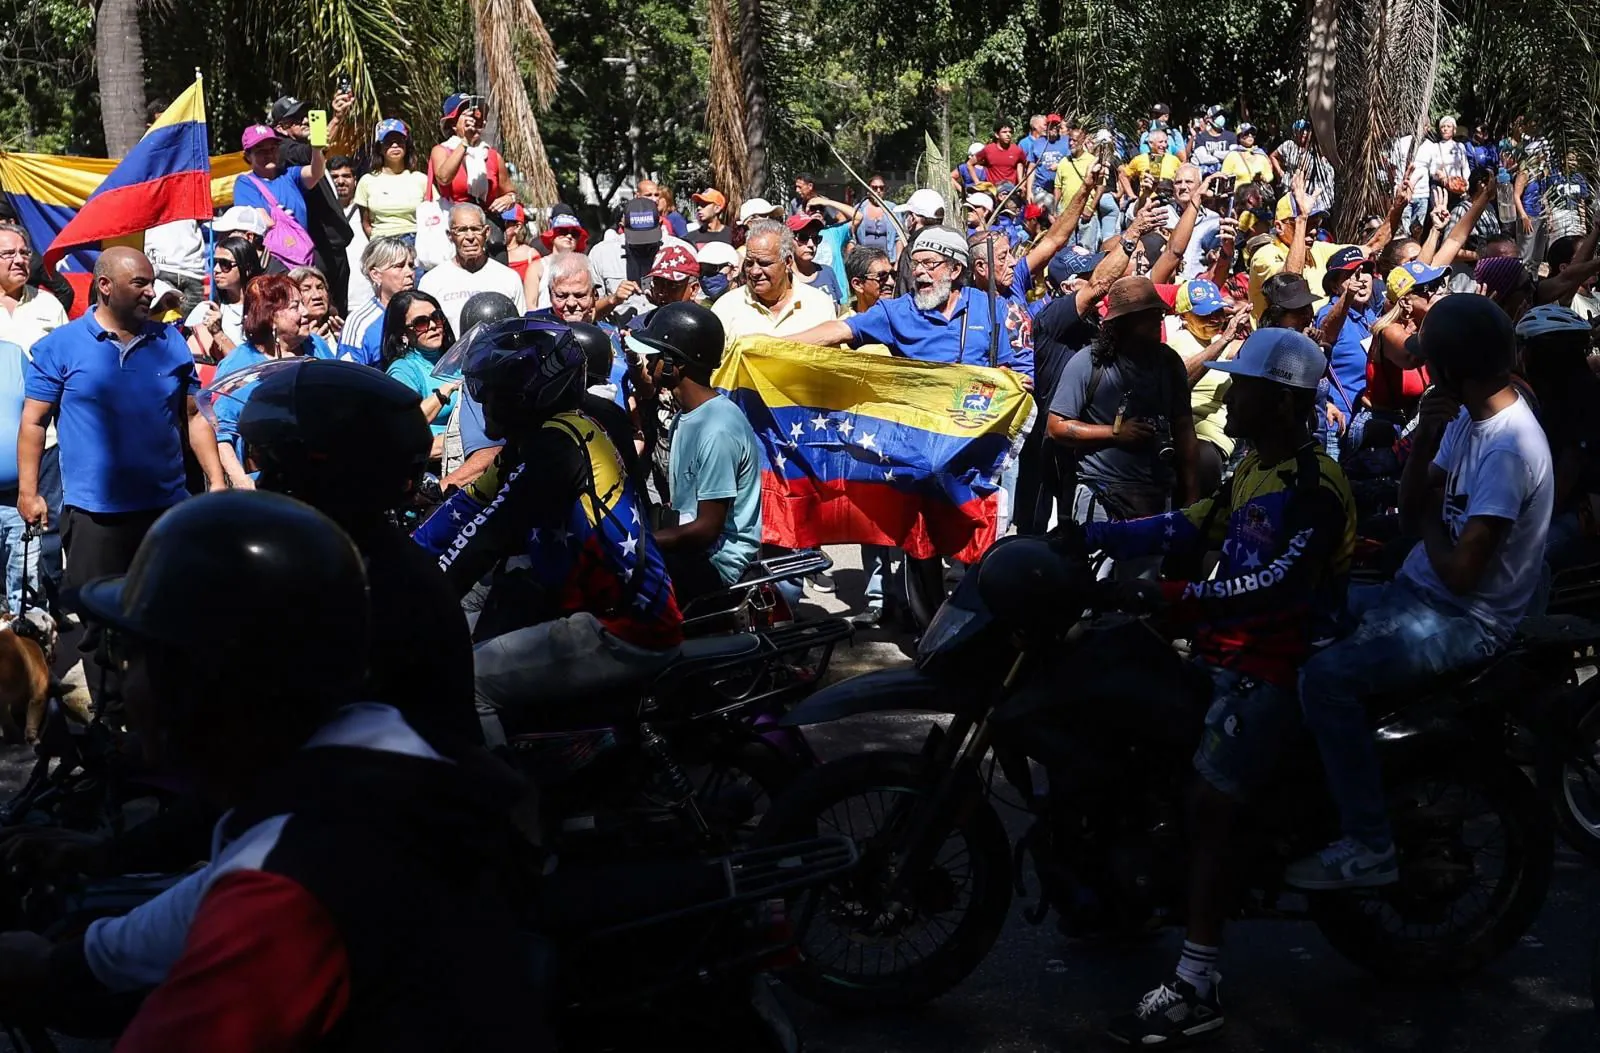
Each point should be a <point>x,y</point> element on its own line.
<point>230,393</point>
<point>489,348</point>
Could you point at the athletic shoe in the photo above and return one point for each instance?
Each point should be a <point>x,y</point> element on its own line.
<point>822,581</point>
<point>868,619</point>
<point>1172,1014</point>
<point>1344,864</point>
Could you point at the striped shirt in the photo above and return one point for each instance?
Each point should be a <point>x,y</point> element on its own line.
<point>362,339</point>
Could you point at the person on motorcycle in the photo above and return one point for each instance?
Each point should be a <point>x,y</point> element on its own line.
<point>1556,344</point>
<point>580,601</point>
<point>715,464</point>
<point>1477,489</point>
<point>349,441</point>
<point>1285,524</point>
<point>468,452</point>
<point>341,818</point>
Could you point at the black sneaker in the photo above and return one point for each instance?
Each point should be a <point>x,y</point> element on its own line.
<point>821,581</point>
<point>1172,1014</point>
<point>868,619</point>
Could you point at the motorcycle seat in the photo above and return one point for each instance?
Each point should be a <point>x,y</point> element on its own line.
<point>1566,631</point>
<point>708,652</point>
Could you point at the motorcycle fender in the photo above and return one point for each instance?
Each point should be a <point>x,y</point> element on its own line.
<point>883,691</point>
<point>1428,724</point>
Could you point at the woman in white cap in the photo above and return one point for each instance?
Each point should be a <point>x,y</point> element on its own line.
<point>969,173</point>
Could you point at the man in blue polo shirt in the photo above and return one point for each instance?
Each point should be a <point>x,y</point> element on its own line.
<point>941,321</point>
<point>122,389</point>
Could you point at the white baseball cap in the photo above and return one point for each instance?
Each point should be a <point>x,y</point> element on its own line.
<point>925,203</point>
<point>1283,356</point>
<point>718,254</point>
<point>974,149</point>
<point>980,198</point>
<point>241,218</point>
<point>945,242</point>
<point>755,208</point>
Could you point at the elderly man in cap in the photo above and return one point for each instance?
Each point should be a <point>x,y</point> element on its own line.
<point>1123,410</point>
<point>622,264</point>
<point>711,218</point>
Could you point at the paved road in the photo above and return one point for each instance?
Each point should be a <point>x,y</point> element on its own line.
<point>1286,990</point>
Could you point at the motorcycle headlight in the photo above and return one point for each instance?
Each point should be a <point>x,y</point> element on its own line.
<point>946,626</point>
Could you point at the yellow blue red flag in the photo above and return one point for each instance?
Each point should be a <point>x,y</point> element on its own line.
<point>876,450</point>
<point>75,203</point>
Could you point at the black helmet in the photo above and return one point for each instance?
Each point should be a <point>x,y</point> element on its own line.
<point>1026,579</point>
<point>340,436</point>
<point>598,354</point>
<point>531,361</point>
<point>686,333</point>
<point>1467,337</point>
<point>487,307</point>
<point>288,584</point>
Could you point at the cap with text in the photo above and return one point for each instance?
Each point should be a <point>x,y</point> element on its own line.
<point>1284,356</point>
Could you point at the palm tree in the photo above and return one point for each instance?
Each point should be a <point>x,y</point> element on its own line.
<point>755,96</point>
<point>725,121</point>
<point>119,58</point>
<point>498,23</point>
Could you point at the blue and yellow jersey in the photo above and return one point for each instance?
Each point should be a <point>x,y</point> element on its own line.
<point>1286,547</point>
<point>564,515</point>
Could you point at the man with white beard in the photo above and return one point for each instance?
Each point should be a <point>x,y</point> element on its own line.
<point>943,320</point>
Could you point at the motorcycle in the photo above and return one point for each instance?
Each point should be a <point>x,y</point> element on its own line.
<point>1111,712</point>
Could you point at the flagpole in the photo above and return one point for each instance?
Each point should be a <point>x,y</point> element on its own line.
<point>211,235</point>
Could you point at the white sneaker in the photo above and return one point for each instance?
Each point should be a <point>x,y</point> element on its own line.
<point>1344,864</point>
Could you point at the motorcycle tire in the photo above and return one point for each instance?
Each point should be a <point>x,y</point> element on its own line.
<point>797,815</point>
<point>924,590</point>
<point>757,763</point>
<point>1349,920</point>
<point>1568,772</point>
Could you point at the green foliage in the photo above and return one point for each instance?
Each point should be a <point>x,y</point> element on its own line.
<point>47,102</point>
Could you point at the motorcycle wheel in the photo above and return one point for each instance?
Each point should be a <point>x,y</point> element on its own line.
<point>1569,775</point>
<point>738,785</point>
<point>1469,829</point>
<point>858,953</point>
<point>924,585</point>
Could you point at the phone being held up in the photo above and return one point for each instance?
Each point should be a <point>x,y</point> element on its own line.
<point>343,83</point>
<point>318,119</point>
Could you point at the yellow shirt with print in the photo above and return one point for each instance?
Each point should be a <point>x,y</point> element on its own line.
<point>1248,165</point>
<point>1136,169</point>
<point>1205,398</point>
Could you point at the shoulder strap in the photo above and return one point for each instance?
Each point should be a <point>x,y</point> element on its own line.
<point>1096,374</point>
<point>263,188</point>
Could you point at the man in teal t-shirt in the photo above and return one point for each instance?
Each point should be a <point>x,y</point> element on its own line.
<point>715,460</point>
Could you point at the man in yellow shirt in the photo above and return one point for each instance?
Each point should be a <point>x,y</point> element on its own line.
<point>1158,163</point>
<point>1293,227</point>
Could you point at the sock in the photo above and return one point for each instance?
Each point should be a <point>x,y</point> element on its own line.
<point>1196,966</point>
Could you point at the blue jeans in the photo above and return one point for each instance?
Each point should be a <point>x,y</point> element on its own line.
<point>1403,642</point>
<point>11,530</point>
<point>1417,210</point>
<point>1100,224</point>
<point>877,561</point>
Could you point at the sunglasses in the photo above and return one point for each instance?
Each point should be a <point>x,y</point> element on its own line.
<point>423,322</point>
<point>809,237</point>
<point>883,278</point>
<point>225,265</point>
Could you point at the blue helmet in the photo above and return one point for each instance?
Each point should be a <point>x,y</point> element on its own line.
<point>533,361</point>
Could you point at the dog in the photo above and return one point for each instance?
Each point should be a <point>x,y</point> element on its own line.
<point>27,650</point>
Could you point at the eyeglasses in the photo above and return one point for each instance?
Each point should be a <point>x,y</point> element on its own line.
<point>925,263</point>
<point>882,277</point>
<point>423,322</point>
<point>878,188</point>
<point>225,265</point>
<point>468,232</point>
<point>16,254</point>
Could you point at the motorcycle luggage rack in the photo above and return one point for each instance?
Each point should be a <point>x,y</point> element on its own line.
<point>759,874</point>
<point>799,564</point>
<point>763,677</point>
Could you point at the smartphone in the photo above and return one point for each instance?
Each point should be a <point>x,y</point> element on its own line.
<point>318,119</point>
<point>344,84</point>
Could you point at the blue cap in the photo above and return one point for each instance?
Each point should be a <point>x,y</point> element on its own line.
<point>1071,262</point>
<point>1301,125</point>
<point>1199,297</point>
<point>390,126</point>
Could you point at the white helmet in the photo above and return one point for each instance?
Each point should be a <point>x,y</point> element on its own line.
<point>1550,318</point>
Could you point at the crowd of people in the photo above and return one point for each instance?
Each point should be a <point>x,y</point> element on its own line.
<point>1212,366</point>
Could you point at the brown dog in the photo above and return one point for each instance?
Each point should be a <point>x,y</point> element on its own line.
<point>26,685</point>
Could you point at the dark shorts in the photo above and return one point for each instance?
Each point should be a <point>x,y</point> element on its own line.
<point>1250,726</point>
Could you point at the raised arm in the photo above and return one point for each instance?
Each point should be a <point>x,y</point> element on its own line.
<point>1456,240</point>
<point>1055,239</point>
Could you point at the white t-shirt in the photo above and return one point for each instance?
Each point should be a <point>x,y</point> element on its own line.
<point>1418,172</point>
<point>1449,159</point>
<point>453,287</point>
<point>176,248</point>
<point>1500,468</point>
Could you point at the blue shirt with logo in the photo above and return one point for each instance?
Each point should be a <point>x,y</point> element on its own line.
<point>121,412</point>
<point>1049,155</point>
<point>286,188</point>
<point>929,336</point>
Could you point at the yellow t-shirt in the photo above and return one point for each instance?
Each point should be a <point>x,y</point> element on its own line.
<point>1070,175</point>
<point>1136,168</point>
<point>1270,260</point>
<point>392,200</point>
<point>1205,398</point>
<point>1246,166</point>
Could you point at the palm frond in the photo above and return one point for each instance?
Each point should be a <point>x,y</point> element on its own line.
<point>496,21</point>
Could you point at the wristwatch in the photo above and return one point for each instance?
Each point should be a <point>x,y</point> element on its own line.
<point>439,394</point>
<point>1129,246</point>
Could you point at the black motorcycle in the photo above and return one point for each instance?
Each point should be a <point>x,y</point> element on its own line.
<point>1111,713</point>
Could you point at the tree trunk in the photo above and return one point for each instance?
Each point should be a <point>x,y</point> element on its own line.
<point>755,97</point>
<point>119,59</point>
<point>725,125</point>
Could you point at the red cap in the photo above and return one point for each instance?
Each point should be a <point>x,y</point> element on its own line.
<point>1054,118</point>
<point>1032,210</point>
<point>801,220</point>
<point>675,263</point>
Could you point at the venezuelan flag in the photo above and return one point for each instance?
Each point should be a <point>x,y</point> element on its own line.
<point>876,450</point>
<point>72,204</point>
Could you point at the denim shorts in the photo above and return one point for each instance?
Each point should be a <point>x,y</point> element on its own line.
<point>1250,726</point>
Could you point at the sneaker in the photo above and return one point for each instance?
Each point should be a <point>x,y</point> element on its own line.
<point>1344,864</point>
<point>822,581</point>
<point>1172,1013</point>
<point>868,619</point>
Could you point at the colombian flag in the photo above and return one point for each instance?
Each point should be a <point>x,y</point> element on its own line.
<point>875,450</point>
<point>69,203</point>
